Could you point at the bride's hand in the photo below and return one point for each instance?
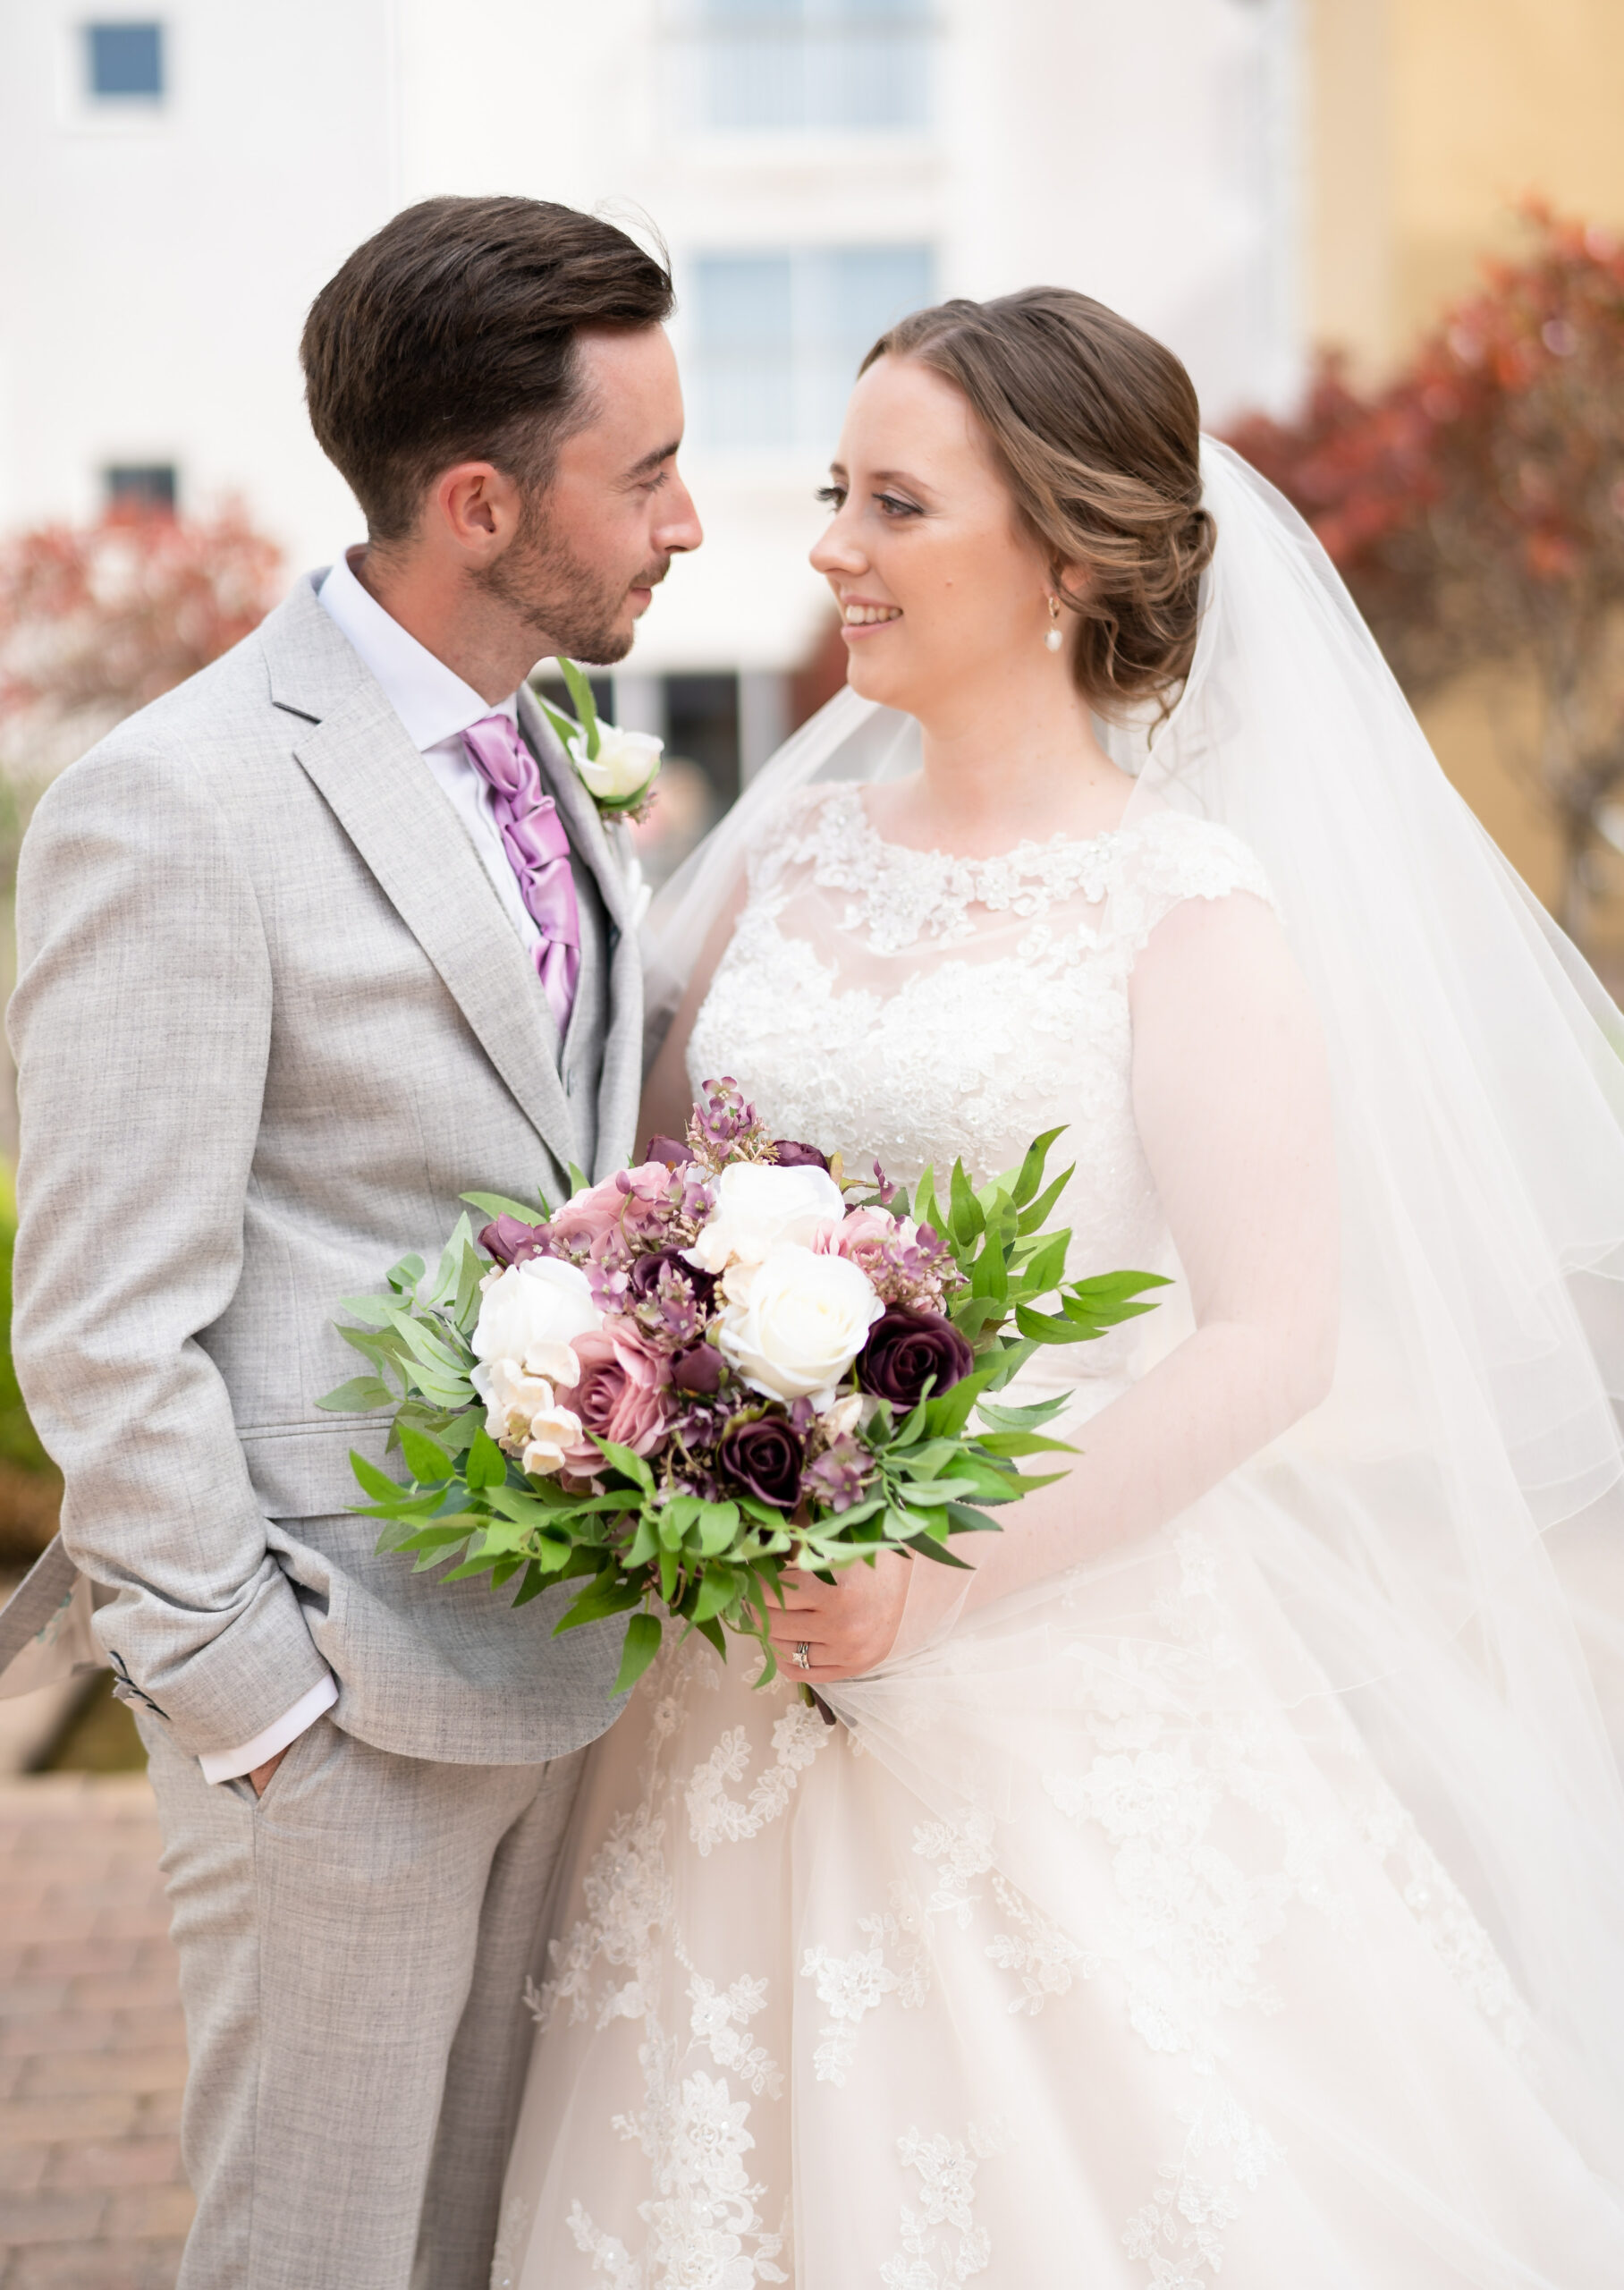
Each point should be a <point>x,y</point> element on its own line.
<point>848,1627</point>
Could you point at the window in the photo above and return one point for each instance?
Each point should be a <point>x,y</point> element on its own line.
<point>124,62</point>
<point>848,65</point>
<point>779,337</point>
<point>149,485</point>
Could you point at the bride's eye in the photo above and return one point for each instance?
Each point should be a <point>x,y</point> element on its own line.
<point>832,497</point>
<point>892,506</point>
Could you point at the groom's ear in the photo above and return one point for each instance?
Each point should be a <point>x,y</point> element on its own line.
<point>475,510</point>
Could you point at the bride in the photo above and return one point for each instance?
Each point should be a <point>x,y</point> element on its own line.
<point>1226,1871</point>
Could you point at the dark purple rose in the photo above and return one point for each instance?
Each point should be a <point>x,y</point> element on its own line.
<point>765,1455</point>
<point>698,1370</point>
<point>511,1241</point>
<point>643,1278</point>
<point>790,1154</point>
<point>669,1151</point>
<point>906,1347</point>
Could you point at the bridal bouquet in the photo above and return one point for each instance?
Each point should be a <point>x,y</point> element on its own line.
<point>727,1361</point>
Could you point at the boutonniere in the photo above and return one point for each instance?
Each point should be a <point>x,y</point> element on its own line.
<point>617,768</point>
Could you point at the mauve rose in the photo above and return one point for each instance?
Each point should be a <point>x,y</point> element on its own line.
<point>512,1241</point>
<point>590,1214</point>
<point>905,1349</point>
<point>765,1455</point>
<point>697,1369</point>
<point>669,1151</point>
<point>620,1396</point>
<point>643,1277</point>
<point>862,1235</point>
<point>791,1154</point>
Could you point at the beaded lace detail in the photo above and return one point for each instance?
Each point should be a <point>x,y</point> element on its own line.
<point>876,998</point>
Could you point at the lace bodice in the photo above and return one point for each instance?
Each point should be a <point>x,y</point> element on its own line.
<point>921,1007</point>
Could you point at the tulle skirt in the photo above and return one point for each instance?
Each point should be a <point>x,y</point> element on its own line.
<point>1097,1944</point>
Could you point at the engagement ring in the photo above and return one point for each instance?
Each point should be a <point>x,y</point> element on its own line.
<point>803,1656</point>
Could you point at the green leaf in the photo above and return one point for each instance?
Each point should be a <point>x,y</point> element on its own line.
<point>604,1596</point>
<point>1031,1176</point>
<point>1042,1329</point>
<point>376,1483</point>
<point>404,1275</point>
<point>1024,1443</point>
<point>719,1586</point>
<point>359,1396</point>
<point>498,1204</point>
<point>486,1465</point>
<point>967,1217</point>
<point>629,1463</point>
<point>377,1312</point>
<point>928,1548</point>
<point>580,1181</point>
<point>643,1635</point>
<point>1032,1217</point>
<point>718,1526</point>
<point>1021,1419</point>
<point>713,1631</point>
<point>426,1459</point>
<point>965,1519</point>
<point>586,706</point>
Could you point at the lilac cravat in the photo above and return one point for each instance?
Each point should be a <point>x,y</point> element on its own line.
<point>538,852</point>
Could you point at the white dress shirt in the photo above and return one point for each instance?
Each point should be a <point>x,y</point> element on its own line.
<point>436,707</point>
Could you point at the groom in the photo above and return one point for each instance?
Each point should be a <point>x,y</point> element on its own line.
<point>308,946</point>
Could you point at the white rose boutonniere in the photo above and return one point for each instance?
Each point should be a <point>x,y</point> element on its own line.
<point>617,768</point>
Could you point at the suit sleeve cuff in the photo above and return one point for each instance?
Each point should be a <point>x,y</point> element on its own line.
<point>230,1765</point>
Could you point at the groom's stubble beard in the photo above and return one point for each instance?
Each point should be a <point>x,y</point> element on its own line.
<point>567,607</point>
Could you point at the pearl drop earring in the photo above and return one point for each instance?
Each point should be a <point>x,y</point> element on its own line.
<point>1052,636</point>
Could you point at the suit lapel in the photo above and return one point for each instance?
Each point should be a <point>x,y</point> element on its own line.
<point>386,800</point>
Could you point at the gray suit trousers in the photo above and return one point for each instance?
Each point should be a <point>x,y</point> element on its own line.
<point>353,1948</point>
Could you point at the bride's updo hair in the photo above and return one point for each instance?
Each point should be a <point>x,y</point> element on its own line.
<point>1097,429</point>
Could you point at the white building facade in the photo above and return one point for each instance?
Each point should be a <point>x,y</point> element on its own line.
<point>177,179</point>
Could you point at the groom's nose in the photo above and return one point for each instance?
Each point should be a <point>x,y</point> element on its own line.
<point>679,527</point>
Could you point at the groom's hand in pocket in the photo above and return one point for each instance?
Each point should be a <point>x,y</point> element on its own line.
<point>260,1775</point>
<point>847,1626</point>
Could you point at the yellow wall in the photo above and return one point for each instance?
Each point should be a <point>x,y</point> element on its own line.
<point>1428,121</point>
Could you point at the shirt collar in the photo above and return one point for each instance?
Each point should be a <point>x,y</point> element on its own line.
<point>431,699</point>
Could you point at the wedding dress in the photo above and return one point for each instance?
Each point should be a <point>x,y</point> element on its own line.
<point>1232,1898</point>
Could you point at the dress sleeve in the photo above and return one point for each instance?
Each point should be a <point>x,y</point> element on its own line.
<point>1176,857</point>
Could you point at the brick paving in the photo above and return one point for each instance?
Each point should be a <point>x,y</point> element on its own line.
<point>92,2052</point>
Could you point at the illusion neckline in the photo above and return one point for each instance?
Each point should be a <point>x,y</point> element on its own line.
<point>1028,848</point>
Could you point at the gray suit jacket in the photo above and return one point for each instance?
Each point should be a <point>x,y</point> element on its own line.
<point>272,1020</point>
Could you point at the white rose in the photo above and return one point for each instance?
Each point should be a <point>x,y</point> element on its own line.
<point>529,1314</point>
<point>806,1319</point>
<point>758,1206</point>
<point>625,764</point>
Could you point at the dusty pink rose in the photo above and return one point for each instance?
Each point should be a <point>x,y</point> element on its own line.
<point>862,1235</point>
<point>622,1393</point>
<point>590,1214</point>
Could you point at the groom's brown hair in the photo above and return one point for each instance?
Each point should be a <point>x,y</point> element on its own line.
<point>449,336</point>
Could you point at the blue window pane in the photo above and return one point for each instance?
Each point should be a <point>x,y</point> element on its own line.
<point>843,65</point>
<point>874,287</point>
<point>744,310</point>
<point>125,59</point>
<point>147,484</point>
<point>779,337</point>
